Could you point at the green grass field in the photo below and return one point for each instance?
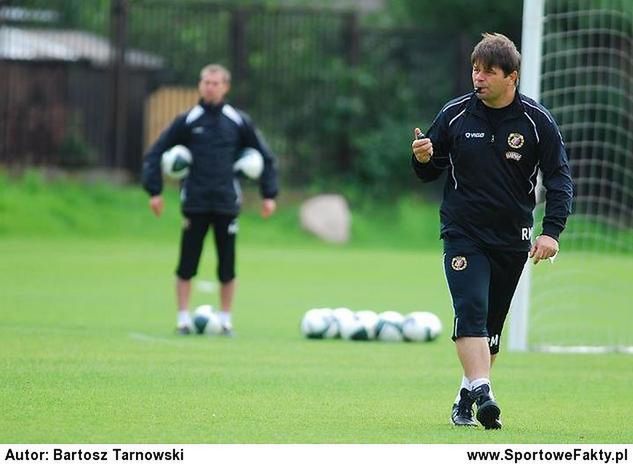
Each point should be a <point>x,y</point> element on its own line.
<point>88,355</point>
<point>88,352</point>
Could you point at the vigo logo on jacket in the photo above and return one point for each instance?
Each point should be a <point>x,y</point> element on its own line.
<point>474,135</point>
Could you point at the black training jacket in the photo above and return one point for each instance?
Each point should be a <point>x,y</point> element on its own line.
<point>489,193</point>
<point>215,135</point>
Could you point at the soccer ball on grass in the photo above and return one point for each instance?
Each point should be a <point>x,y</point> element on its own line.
<point>206,320</point>
<point>318,323</point>
<point>389,328</point>
<point>421,326</point>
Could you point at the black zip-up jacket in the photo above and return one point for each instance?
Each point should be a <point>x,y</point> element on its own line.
<point>215,135</point>
<point>489,193</point>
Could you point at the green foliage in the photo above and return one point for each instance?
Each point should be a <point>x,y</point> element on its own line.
<point>186,36</point>
<point>383,163</point>
<point>458,16</point>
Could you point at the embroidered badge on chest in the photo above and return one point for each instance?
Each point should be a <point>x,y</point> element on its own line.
<point>516,140</point>
<point>459,263</point>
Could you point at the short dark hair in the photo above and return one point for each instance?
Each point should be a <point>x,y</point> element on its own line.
<point>497,50</point>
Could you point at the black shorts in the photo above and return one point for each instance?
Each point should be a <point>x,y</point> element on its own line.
<point>482,282</point>
<point>192,240</point>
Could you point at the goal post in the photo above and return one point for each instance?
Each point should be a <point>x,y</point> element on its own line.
<point>530,85</point>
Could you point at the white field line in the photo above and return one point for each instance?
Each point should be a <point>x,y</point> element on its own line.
<point>583,349</point>
<point>141,337</point>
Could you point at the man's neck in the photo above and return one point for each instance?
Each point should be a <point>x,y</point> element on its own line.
<point>213,103</point>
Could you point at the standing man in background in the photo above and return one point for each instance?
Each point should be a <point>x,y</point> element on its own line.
<point>215,133</point>
<point>492,141</point>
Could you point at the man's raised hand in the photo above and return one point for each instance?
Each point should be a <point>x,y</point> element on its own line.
<point>422,147</point>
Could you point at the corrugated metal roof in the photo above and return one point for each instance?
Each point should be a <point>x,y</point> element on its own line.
<point>67,45</point>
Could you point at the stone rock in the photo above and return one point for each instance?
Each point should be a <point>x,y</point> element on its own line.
<point>328,217</point>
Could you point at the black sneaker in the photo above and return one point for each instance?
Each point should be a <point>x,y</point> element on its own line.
<point>462,414</point>
<point>488,410</point>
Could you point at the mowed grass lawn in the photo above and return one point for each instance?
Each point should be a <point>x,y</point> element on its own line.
<point>88,355</point>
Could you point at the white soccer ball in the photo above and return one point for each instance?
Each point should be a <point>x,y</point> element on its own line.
<point>421,326</point>
<point>353,328</point>
<point>340,315</point>
<point>206,320</point>
<point>250,163</point>
<point>369,319</point>
<point>317,322</point>
<point>389,328</point>
<point>333,330</point>
<point>176,162</point>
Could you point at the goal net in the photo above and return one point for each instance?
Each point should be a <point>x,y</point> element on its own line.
<point>584,301</point>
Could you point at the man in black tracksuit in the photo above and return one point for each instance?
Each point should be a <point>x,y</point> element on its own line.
<point>215,133</point>
<point>492,142</point>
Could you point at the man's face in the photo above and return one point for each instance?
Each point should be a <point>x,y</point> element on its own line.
<point>494,88</point>
<point>213,87</point>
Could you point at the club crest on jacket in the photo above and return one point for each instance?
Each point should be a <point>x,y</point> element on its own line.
<point>516,140</point>
<point>459,263</point>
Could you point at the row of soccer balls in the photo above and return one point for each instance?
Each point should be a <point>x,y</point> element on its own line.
<point>176,161</point>
<point>391,326</point>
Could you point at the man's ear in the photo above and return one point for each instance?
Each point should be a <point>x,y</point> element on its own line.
<point>515,77</point>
